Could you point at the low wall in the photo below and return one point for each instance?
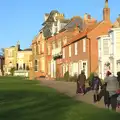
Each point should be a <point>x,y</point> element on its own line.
<point>21,73</point>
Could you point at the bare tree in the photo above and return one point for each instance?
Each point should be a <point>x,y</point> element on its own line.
<point>2,51</point>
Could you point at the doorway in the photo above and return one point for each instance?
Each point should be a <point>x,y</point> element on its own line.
<point>85,68</point>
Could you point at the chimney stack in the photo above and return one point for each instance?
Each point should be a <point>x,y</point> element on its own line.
<point>106,12</point>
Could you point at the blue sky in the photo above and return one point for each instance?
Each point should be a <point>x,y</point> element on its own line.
<point>21,19</point>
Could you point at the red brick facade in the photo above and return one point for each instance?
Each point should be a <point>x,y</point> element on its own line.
<point>78,47</point>
<point>90,55</point>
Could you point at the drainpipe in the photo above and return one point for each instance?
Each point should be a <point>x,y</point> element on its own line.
<point>89,54</point>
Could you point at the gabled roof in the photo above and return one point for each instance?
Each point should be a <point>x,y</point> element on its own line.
<point>50,18</point>
<point>28,49</point>
<point>82,34</point>
<point>75,21</point>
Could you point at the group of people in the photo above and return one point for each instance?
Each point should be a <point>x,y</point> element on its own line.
<point>109,88</point>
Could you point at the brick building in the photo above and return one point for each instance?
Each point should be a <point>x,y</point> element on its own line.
<point>82,51</point>
<point>73,28</point>
<point>54,22</point>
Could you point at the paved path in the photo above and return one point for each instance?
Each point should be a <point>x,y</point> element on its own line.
<point>69,88</point>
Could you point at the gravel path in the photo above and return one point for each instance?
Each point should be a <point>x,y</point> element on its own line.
<point>69,88</point>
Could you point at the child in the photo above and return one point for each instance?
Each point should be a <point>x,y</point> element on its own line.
<point>95,87</point>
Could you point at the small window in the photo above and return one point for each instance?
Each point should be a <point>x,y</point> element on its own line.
<point>38,48</point>
<point>59,44</point>
<point>35,49</point>
<point>76,48</point>
<point>65,40</point>
<point>53,45</point>
<point>63,52</point>
<point>36,65</point>
<point>70,51</point>
<point>17,66</point>
<point>24,66</point>
<point>84,45</point>
<point>42,47</point>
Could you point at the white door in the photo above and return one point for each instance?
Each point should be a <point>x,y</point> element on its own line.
<point>80,67</point>
<point>54,70</point>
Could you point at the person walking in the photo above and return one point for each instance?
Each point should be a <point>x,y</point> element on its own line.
<point>81,82</point>
<point>105,93</point>
<point>96,83</point>
<point>112,85</point>
<point>118,77</point>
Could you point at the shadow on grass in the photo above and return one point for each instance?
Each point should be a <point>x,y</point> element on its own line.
<point>26,101</point>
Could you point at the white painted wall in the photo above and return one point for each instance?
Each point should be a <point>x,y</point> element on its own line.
<point>103,54</point>
<point>109,50</point>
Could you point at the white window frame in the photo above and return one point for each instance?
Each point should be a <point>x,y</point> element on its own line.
<point>59,44</point>
<point>70,51</point>
<point>65,40</point>
<point>84,45</point>
<point>76,48</point>
<point>53,45</point>
<point>36,66</point>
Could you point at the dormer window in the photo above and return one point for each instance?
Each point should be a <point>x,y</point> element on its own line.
<point>65,40</point>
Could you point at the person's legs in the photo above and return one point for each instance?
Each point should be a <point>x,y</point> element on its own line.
<point>78,88</point>
<point>106,99</point>
<point>94,96</point>
<point>113,102</point>
<point>83,89</point>
<point>97,95</point>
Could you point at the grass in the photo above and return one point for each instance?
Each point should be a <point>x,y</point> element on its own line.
<point>25,100</point>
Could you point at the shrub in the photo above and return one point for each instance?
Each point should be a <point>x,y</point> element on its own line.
<point>90,78</point>
<point>60,79</point>
<point>73,78</point>
<point>27,67</point>
<point>66,76</point>
<point>12,70</point>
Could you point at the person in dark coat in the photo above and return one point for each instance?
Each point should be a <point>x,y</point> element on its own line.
<point>96,83</point>
<point>81,83</point>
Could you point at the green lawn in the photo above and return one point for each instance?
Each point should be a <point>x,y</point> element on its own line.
<point>24,100</point>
